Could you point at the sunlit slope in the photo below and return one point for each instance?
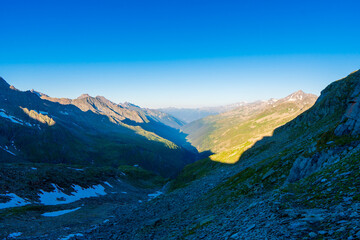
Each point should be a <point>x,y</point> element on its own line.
<point>314,157</point>
<point>236,130</point>
<point>322,143</point>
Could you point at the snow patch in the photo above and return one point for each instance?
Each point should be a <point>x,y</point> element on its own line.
<point>6,150</point>
<point>15,235</point>
<point>154,195</point>
<point>43,113</point>
<point>58,197</point>
<point>12,118</point>
<point>76,169</point>
<point>72,235</point>
<point>294,98</point>
<point>15,201</point>
<point>59,213</point>
<point>108,184</point>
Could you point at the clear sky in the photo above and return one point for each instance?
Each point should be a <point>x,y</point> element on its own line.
<point>178,53</point>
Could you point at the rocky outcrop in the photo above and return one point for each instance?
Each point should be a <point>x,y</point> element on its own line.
<point>304,166</point>
<point>351,119</point>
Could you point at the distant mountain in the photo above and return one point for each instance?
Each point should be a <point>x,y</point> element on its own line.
<point>245,124</point>
<point>117,112</point>
<point>188,115</point>
<point>89,131</point>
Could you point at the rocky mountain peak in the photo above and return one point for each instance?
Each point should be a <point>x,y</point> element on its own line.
<point>128,104</point>
<point>13,88</point>
<point>85,95</point>
<point>38,93</point>
<point>296,96</point>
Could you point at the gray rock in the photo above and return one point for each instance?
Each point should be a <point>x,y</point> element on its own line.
<point>235,236</point>
<point>250,227</point>
<point>270,172</point>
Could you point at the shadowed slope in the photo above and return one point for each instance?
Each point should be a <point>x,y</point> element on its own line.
<point>92,135</point>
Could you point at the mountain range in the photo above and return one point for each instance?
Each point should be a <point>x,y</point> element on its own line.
<point>275,169</point>
<point>88,131</point>
<point>188,115</point>
<point>244,125</point>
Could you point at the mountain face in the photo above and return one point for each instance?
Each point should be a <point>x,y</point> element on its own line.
<point>130,115</point>
<point>188,115</point>
<point>246,124</point>
<point>118,112</point>
<point>88,131</point>
<point>299,183</point>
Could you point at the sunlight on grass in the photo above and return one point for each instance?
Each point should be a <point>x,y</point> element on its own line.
<point>231,156</point>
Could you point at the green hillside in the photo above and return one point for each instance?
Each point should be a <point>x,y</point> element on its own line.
<point>229,134</point>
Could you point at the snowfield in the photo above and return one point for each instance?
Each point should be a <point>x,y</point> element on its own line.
<point>13,119</point>
<point>15,201</point>
<point>58,197</point>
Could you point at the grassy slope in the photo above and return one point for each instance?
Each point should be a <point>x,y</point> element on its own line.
<point>302,137</point>
<point>240,130</point>
<point>244,125</point>
<point>271,158</point>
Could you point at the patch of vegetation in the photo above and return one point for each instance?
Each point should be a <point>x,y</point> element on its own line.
<point>15,211</point>
<point>329,186</point>
<point>328,138</point>
<point>265,175</point>
<point>141,177</point>
<point>190,230</point>
<point>231,156</point>
<point>193,172</point>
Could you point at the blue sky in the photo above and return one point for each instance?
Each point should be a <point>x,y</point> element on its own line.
<point>178,53</point>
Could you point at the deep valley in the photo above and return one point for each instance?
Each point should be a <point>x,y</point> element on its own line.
<point>88,168</point>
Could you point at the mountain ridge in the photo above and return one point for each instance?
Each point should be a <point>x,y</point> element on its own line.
<point>228,129</point>
<point>82,127</point>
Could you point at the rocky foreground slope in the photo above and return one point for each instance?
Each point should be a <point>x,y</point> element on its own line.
<point>300,183</point>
